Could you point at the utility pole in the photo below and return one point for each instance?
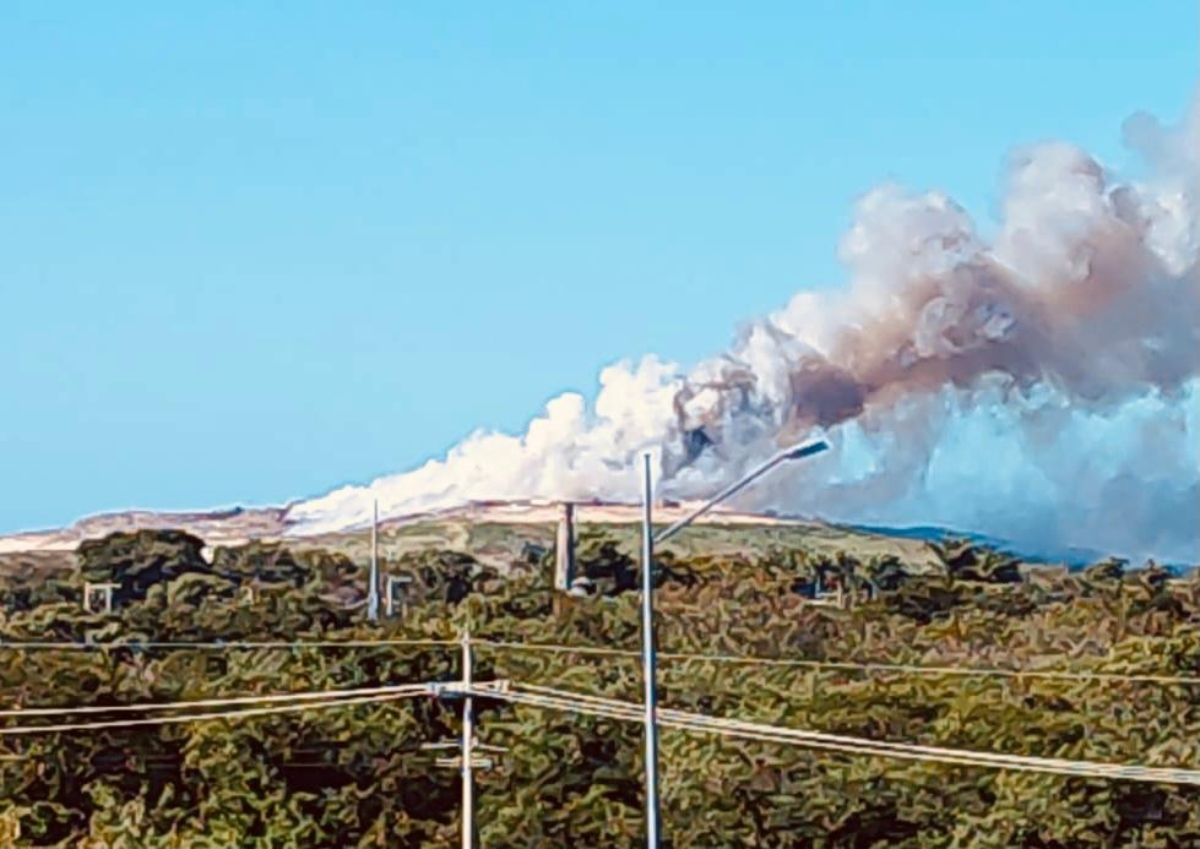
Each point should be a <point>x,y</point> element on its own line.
<point>467,761</point>
<point>373,587</point>
<point>468,741</point>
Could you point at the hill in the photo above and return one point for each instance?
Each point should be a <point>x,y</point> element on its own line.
<point>1073,557</point>
<point>497,533</point>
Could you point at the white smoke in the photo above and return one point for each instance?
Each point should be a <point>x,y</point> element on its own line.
<point>1042,386</point>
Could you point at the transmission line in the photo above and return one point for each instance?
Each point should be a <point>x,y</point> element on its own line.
<point>398,693</point>
<point>207,703</point>
<point>550,698</point>
<point>848,665</point>
<point>220,645</point>
<point>605,651</point>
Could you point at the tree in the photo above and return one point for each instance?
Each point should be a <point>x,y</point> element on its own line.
<point>264,563</point>
<point>137,561</point>
<point>601,560</point>
<point>1109,571</point>
<point>355,775</point>
<point>967,561</point>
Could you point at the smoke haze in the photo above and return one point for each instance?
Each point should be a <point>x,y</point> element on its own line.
<point>1042,385</point>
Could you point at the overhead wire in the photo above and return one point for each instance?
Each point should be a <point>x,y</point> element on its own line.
<point>604,651</point>
<point>222,645</point>
<point>52,710</point>
<point>845,665</point>
<point>21,730</point>
<point>545,647</point>
<point>550,698</point>
<point>760,732</point>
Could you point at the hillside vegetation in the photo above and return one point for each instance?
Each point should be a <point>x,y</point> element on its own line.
<point>356,776</point>
<point>498,543</point>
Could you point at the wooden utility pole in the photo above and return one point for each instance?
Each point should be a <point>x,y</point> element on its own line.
<point>467,761</point>
<point>468,742</point>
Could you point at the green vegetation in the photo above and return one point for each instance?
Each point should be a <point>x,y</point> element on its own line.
<point>498,543</point>
<point>356,776</point>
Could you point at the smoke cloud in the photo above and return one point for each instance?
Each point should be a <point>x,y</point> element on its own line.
<point>1041,385</point>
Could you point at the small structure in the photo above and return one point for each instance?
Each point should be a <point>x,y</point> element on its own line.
<point>483,762</point>
<point>564,549</point>
<point>532,553</point>
<point>103,590</point>
<point>581,586</point>
<point>393,583</point>
<point>827,591</point>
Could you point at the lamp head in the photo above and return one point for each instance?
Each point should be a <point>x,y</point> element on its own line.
<point>806,449</point>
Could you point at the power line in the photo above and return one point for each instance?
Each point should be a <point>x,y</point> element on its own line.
<point>567,701</point>
<point>206,703</point>
<point>579,703</point>
<point>549,698</point>
<point>418,689</point>
<point>222,645</point>
<point>751,660</point>
<point>685,657</point>
<point>736,728</point>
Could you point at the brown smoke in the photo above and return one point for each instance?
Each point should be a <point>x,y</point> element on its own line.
<point>1121,324</point>
<point>1076,324</point>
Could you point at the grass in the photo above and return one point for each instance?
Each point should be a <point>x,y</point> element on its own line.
<point>500,543</point>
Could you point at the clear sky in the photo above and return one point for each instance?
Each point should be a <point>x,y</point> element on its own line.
<point>249,252</point>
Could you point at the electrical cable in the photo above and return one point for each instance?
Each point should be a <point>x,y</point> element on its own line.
<point>204,717</point>
<point>206,703</point>
<point>751,660</point>
<point>550,698</point>
<point>222,645</point>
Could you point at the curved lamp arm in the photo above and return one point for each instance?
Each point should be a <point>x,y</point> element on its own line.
<point>796,452</point>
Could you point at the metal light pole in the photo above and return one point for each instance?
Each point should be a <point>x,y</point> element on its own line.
<point>649,659</point>
<point>373,586</point>
<point>649,662</point>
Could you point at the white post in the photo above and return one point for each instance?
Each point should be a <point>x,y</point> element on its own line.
<point>373,587</point>
<point>389,596</point>
<point>468,742</point>
<point>107,589</point>
<point>649,662</point>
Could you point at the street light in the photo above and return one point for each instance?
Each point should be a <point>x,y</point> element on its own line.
<point>649,662</point>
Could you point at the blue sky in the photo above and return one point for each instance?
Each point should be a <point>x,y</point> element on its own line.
<point>249,252</point>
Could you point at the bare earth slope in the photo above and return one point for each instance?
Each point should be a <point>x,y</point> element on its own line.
<point>218,527</point>
<point>495,532</point>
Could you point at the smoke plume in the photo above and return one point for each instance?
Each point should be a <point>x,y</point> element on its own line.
<point>1041,385</point>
